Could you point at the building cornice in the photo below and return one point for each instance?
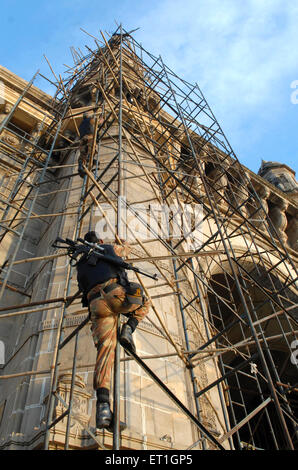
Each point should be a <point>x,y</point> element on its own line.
<point>18,84</point>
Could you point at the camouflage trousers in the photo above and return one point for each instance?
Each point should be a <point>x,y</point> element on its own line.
<point>104,312</point>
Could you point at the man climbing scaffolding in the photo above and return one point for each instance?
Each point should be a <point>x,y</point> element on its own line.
<point>108,293</point>
<point>86,130</point>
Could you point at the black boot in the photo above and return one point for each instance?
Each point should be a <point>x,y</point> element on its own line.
<point>126,338</point>
<point>122,425</point>
<point>103,411</point>
<point>103,415</point>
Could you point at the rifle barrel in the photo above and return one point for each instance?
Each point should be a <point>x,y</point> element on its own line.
<point>111,259</point>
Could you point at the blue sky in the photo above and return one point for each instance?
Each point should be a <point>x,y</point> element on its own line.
<point>242,53</point>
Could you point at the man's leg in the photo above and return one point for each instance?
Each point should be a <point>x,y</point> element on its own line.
<point>138,313</point>
<point>104,313</point>
<point>84,155</point>
<point>104,331</point>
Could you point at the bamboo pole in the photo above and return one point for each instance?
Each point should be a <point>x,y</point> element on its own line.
<point>14,289</point>
<point>39,302</point>
<point>123,359</point>
<point>70,110</point>
<point>90,164</point>
<point>39,216</point>
<point>58,81</point>
<point>25,312</point>
<point>38,258</point>
<point>188,254</point>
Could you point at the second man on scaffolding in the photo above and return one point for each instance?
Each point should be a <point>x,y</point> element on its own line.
<point>86,130</point>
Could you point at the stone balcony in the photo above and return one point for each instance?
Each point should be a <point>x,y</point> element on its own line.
<point>280,207</point>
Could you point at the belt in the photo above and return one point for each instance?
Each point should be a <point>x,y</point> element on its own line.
<point>106,289</point>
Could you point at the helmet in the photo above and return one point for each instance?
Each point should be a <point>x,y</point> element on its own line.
<point>91,237</point>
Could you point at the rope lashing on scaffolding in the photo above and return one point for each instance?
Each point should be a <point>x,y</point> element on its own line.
<point>253,368</point>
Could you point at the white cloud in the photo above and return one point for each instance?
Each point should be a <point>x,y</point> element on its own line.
<point>244,56</point>
<point>240,52</point>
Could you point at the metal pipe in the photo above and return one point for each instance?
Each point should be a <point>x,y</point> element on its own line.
<point>116,410</point>
<point>73,375</point>
<point>192,375</point>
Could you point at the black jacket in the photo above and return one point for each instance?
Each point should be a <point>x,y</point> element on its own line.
<point>89,276</point>
<point>86,127</point>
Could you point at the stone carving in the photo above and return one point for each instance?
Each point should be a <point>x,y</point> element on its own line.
<point>11,139</point>
<point>279,219</point>
<point>5,110</point>
<point>80,403</point>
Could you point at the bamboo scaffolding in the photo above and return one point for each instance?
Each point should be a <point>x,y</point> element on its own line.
<point>153,131</point>
<point>141,282</point>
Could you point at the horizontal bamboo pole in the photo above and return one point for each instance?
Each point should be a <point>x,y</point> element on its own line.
<point>177,256</point>
<point>25,312</point>
<point>52,192</point>
<point>39,216</point>
<point>167,294</point>
<point>250,341</point>
<point>23,374</point>
<point>274,315</point>
<point>38,302</point>
<point>174,281</point>
<point>14,289</point>
<point>124,359</point>
<point>291,387</point>
<point>38,258</point>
